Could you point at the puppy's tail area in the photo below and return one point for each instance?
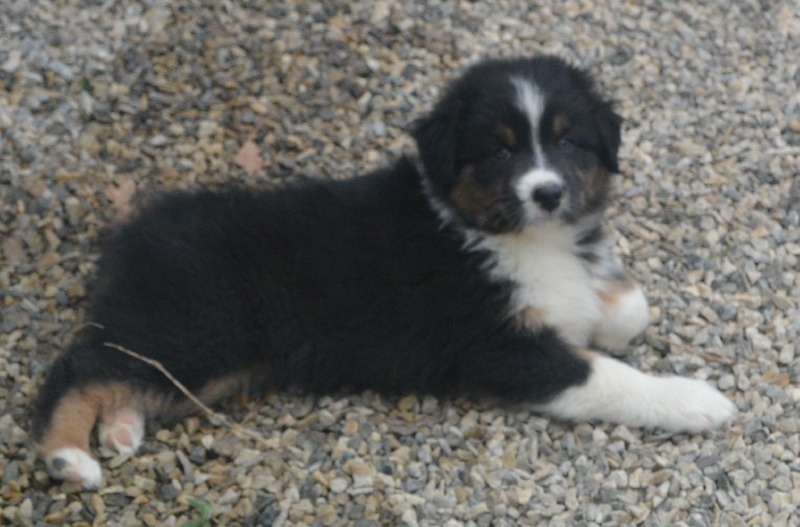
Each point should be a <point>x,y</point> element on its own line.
<point>69,403</point>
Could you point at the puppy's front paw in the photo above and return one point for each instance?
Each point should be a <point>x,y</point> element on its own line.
<point>74,465</point>
<point>617,393</point>
<point>625,315</point>
<point>690,405</point>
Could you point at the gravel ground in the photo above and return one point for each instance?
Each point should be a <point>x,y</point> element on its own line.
<point>102,97</point>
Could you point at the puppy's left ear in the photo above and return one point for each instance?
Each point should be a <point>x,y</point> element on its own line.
<point>435,136</point>
<point>610,125</point>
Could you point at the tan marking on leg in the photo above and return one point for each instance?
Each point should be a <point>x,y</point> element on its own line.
<point>533,317</point>
<point>587,354</point>
<point>625,313</point>
<point>617,288</point>
<point>75,415</point>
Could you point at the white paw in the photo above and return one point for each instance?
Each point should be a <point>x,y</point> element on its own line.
<point>689,405</point>
<point>625,315</point>
<point>122,430</point>
<point>617,393</point>
<point>76,466</point>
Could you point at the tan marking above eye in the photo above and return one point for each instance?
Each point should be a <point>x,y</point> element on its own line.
<point>560,124</point>
<point>506,135</point>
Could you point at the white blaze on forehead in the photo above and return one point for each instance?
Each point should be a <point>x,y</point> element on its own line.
<point>531,101</point>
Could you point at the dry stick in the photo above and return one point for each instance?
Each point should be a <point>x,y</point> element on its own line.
<point>648,233</point>
<point>747,284</point>
<point>215,417</point>
<point>80,327</point>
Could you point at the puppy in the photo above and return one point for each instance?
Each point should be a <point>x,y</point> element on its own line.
<point>479,269</point>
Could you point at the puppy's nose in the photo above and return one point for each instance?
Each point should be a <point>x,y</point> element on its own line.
<point>548,196</point>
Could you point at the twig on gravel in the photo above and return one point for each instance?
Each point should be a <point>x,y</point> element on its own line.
<point>160,367</point>
<point>81,327</point>
<point>648,234</point>
<point>215,417</point>
<point>713,357</point>
<point>748,285</point>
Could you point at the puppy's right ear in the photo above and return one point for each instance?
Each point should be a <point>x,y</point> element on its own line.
<point>610,126</point>
<point>435,135</point>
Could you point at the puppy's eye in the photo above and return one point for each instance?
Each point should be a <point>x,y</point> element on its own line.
<point>566,144</point>
<point>501,154</point>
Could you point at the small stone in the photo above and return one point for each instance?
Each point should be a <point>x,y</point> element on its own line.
<point>25,510</point>
<point>356,467</point>
<point>476,510</point>
<point>158,140</point>
<point>145,484</point>
<point>406,404</point>
<point>379,128</point>
<point>362,482</point>
<point>786,356</point>
<point>11,472</point>
<point>338,485</point>
<point>206,128</point>
<point>207,441</point>
<point>760,341</point>
<point>61,69</point>
<point>198,455</point>
<point>13,251</point>
<point>258,108</point>
<point>115,499</point>
<point>726,382</point>
<point>13,61</point>
<point>248,457</point>
<point>167,492</point>
<point>350,427</point>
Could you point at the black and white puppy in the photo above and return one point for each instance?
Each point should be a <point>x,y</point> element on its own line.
<point>481,269</point>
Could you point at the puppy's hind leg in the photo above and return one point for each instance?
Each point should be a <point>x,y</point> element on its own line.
<point>62,426</point>
<point>65,414</point>
<point>63,429</point>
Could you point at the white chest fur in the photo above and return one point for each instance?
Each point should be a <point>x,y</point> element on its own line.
<point>551,279</point>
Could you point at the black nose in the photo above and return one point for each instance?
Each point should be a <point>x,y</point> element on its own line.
<point>548,196</point>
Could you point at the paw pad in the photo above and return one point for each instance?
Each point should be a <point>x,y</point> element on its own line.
<point>122,430</point>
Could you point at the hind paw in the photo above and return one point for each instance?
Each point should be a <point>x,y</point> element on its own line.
<point>122,430</point>
<point>76,466</point>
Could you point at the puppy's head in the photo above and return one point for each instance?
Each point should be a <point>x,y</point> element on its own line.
<point>520,142</point>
